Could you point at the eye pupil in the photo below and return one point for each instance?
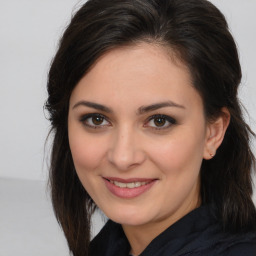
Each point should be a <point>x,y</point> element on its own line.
<point>159,121</point>
<point>97,120</point>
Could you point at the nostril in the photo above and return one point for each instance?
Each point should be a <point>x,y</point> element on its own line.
<point>125,151</point>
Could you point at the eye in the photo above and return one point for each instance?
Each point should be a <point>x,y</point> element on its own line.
<point>94,120</point>
<point>160,121</point>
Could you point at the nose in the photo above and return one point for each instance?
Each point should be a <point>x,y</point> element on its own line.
<point>126,150</point>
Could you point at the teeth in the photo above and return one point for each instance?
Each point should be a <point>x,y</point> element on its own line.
<point>128,185</point>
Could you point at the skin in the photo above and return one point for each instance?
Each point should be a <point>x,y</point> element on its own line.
<point>128,143</point>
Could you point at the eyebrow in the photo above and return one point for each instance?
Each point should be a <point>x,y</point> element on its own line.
<point>156,106</point>
<point>141,110</point>
<point>93,105</point>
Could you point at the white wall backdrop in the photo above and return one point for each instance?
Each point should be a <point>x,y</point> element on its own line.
<point>29,32</point>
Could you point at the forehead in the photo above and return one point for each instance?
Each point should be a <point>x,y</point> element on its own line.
<point>144,71</point>
<point>141,58</point>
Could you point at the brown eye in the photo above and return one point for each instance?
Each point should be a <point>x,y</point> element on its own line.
<point>97,120</point>
<point>159,122</point>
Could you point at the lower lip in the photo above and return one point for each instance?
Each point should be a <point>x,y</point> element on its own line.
<point>128,192</point>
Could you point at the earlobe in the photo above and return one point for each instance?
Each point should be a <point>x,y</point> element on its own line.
<point>215,133</point>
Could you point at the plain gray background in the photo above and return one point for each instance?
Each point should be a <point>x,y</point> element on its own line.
<point>29,33</point>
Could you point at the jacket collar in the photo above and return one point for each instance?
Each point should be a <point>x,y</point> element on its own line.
<point>196,231</point>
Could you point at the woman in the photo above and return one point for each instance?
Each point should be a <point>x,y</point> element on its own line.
<point>147,127</point>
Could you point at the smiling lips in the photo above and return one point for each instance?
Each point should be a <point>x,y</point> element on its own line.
<point>128,188</point>
<point>128,185</point>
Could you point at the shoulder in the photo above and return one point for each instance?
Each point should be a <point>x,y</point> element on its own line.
<point>236,245</point>
<point>241,249</point>
<point>230,246</point>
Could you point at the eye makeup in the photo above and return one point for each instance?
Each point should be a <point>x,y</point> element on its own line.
<point>157,121</point>
<point>94,120</point>
<point>160,121</point>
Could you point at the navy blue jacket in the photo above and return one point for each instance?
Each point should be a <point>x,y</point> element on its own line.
<point>196,234</point>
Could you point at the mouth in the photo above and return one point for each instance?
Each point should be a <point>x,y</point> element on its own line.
<point>129,185</point>
<point>128,188</point>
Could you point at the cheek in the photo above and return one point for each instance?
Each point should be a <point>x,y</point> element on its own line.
<point>87,151</point>
<point>182,153</point>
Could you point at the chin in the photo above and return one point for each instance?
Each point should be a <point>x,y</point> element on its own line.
<point>130,218</point>
<point>129,221</point>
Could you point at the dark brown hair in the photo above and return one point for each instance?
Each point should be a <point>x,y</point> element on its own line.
<point>197,32</point>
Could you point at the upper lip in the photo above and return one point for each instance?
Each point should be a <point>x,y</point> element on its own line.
<point>129,180</point>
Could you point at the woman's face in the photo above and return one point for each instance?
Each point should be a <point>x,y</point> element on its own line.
<point>137,134</point>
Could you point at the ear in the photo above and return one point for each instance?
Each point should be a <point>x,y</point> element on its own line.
<point>215,133</point>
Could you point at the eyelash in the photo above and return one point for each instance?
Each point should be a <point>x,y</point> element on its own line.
<point>166,118</point>
<point>85,120</point>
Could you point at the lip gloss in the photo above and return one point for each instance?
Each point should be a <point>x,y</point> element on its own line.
<point>124,192</point>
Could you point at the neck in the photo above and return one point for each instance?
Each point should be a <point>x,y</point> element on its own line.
<point>140,236</point>
<point>139,239</point>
